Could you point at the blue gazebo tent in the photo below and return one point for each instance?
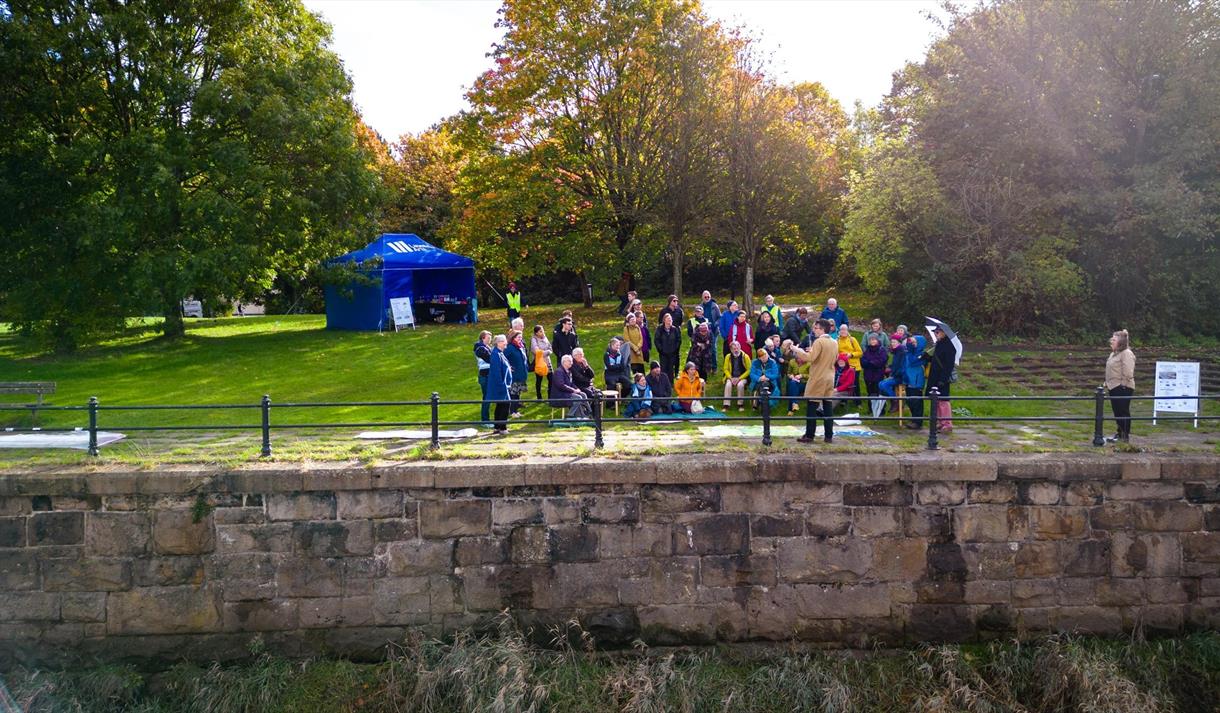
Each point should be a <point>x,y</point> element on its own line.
<point>435,280</point>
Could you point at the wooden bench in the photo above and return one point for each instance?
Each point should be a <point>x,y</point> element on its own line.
<point>37,388</point>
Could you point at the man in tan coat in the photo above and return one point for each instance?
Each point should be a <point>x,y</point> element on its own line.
<point>821,357</point>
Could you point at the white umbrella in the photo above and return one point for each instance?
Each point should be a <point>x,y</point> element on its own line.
<point>932,324</point>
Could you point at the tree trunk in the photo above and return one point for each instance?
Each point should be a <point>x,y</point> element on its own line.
<point>174,325</point>
<point>585,293</point>
<point>747,297</point>
<point>679,255</point>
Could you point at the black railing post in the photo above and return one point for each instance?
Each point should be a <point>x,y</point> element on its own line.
<point>933,418</point>
<point>764,393</point>
<point>436,420</point>
<point>93,426</point>
<point>1099,416</point>
<point>598,442</point>
<point>266,408</point>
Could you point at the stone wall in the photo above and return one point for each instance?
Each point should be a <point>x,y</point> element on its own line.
<point>842,550</point>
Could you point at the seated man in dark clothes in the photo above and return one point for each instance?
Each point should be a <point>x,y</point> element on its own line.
<point>582,373</point>
<point>662,389</point>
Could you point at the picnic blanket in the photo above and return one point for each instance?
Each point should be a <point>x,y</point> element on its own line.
<point>60,439</point>
<point>417,434</point>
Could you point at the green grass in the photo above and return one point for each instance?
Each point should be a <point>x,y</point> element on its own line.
<point>503,672</point>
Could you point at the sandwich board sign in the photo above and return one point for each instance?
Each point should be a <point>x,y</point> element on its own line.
<point>400,307</point>
<point>1176,379</point>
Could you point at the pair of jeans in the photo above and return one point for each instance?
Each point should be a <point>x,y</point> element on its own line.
<point>823,410</point>
<point>1120,403</point>
<point>485,409</point>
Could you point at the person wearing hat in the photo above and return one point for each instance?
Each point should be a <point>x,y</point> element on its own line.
<point>697,319</point>
<point>512,296</point>
<point>661,386</point>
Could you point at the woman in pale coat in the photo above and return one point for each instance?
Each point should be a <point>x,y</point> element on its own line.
<point>633,341</point>
<point>1120,382</point>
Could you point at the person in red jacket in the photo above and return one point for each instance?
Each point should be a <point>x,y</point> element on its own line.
<point>845,377</point>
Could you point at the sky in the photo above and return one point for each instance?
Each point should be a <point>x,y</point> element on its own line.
<point>411,61</point>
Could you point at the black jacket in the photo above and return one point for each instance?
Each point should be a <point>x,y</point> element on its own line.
<point>562,343</point>
<point>679,317</point>
<point>795,329</point>
<point>660,384</point>
<point>582,377</point>
<point>762,332</point>
<point>944,354</point>
<point>667,341</point>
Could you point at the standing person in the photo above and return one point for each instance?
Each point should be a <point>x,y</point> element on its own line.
<point>517,360</point>
<point>736,375</point>
<point>912,376</point>
<point>873,363</point>
<point>940,376</point>
<point>766,329</point>
<point>669,343</point>
<point>835,312</point>
<point>672,307</point>
<point>541,348</point>
<point>618,367</point>
<point>499,381</point>
<point>623,289</point>
<point>662,388</point>
<point>695,320</point>
<point>564,340</point>
<point>512,296</point>
<point>848,344</point>
<point>582,373</point>
<point>482,360</point>
<point>795,326</point>
<point>727,319</point>
<point>700,353</point>
<point>633,341</point>
<point>642,321</point>
<point>1120,382</point>
<point>741,333</point>
<point>689,388</point>
<point>711,310</point>
<point>875,329</point>
<point>821,357</point>
<point>777,314</point>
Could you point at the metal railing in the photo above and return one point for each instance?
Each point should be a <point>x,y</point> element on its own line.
<point>597,403</point>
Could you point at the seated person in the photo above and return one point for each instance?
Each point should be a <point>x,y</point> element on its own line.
<point>618,368</point>
<point>736,375</point>
<point>766,370</point>
<point>689,387</point>
<point>845,378</point>
<point>795,380</point>
<point>662,388</point>
<point>640,403</point>
<point>562,391</point>
<point>582,373</point>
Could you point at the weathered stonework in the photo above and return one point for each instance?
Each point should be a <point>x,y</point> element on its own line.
<point>838,550</point>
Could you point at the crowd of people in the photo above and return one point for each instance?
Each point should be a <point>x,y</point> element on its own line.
<point>667,366</point>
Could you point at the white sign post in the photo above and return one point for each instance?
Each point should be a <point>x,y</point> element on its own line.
<point>400,307</point>
<point>1176,379</point>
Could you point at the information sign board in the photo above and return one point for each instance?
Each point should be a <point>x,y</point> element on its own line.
<point>1176,379</point>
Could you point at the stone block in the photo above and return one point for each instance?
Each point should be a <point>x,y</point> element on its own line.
<point>712,535</point>
<point>1158,490</point>
<point>948,467</point>
<point>30,606</point>
<point>510,512</point>
<point>178,532</point>
<point>480,588</point>
<point>369,504</point>
<point>941,622</point>
<point>560,511</point>
<point>530,545</point>
<point>470,551</point>
<point>83,606</point>
<point>929,521</point>
<point>985,523</point>
<point>892,494</point>
<point>12,531</point>
<point>660,581</point>
<point>166,571</point>
<point>1211,517</point>
<point>309,577</point>
<point>1119,592</point>
<point>1200,493</point>
<point>1170,590</point>
<point>876,521</point>
<point>1091,620</point>
<point>610,509</point>
<point>332,477</point>
<point>1145,555</point>
<point>738,571</point>
<point>573,543</point>
<point>579,585</point>
<point>1034,593</point>
<point>56,528</point>
<point>643,540</point>
<point>946,562</point>
<point>1201,547</point>
<point>785,467</point>
<point>454,518</point>
<point>805,559</point>
<point>243,576</point>
<point>85,575</point>
<point>1111,516</point>
<point>1085,558</point>
<point>18,570</point>
<point>332,539</point>
<point>239,516</point>
<point>1057,523</point>
<point>301,506</point>
<point>164,610</point>
<point>1038,492</point>
<point>662,503</point>
<point>418,557</point>
<point>15,506</point>
<point>1167,516</point>
<point>1140,468</point>
<point>828,521</point>
<point>1000,493</point>
<point>988,592</point>
<point>776,525</point>
<point>991,560</point>
<point>335,612</point>
<point>674,625</point>
<point>360,572</point>
<point>1088,494</point>
<point>753,498</point>
<point>1075,591</point>
<point>268,537</point>
<point>402,475</point>
<point>268,615</point>
<point>1190,468</point>
<point>836,468</point>
<point>940,493</point>
<point>1037,559</point>
<point>898,558</point>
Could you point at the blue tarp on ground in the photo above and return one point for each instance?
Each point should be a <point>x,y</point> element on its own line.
<point>410,267</point>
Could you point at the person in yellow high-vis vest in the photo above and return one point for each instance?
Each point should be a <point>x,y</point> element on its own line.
<point>777,314</point>
<point>513,297</point>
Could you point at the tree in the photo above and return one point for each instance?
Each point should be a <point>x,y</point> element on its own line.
<point>421,178</point>
<point>210,146</point>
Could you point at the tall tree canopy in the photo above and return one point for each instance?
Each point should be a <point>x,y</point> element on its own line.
<point>154,149</point>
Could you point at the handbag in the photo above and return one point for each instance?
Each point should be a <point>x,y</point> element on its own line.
<point>696,406</point>
<point>541,368</point>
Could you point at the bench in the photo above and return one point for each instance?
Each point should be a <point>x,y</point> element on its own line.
<point>38,388</point>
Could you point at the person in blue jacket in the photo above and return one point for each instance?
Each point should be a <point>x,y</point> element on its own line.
<point>711,310</point>
<point>764,367</point>
<point>641,398</point>
<point>832,310</point>
<point>913,377</point>
<point>515,351</point>
<point>727,317</point>
<point>499,382</point>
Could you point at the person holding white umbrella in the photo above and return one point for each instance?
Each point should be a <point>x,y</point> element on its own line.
<point>946,355</point>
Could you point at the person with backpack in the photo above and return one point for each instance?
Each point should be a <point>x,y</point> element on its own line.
<point>541,349</point>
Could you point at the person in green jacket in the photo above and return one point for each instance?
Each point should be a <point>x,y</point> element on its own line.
<point>512,297</point>
<point>777,314</point>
